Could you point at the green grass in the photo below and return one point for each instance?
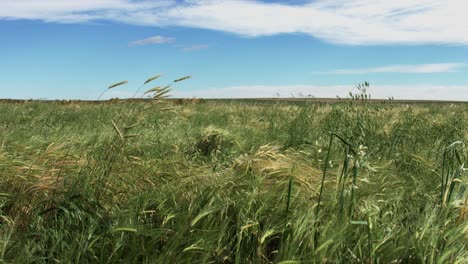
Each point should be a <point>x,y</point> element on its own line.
<point>233,182</point>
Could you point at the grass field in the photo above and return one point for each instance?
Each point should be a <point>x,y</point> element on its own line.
<point>233,182</point>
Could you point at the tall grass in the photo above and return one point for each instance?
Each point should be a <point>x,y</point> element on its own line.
<point>233,182</point>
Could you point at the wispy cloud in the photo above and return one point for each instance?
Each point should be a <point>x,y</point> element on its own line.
<point>152,41</point>
<point>194,47</point>
<point>357,22</point>
<point>421,92</point>
<point>413,68</point>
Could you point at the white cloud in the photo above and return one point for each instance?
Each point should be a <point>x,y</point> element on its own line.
<point>75,11</point>
<point>357,22</point>
<point>412,68</point>
<point>421,92</point>
<point>152,41</point>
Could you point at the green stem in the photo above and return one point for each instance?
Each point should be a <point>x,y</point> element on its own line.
<point>324,175</point>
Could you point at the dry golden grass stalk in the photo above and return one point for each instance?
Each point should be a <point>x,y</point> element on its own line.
<point>132,126</point>
<point>118,130</point>
<point>117,84</point>
<point>161,97</point>
<point>153,78</point>
<point>162,94</point>
<point>155,89</point>
<point>183,78</point>
<point>462,208</point>
<point>274,165</point>
<point>158,89</point>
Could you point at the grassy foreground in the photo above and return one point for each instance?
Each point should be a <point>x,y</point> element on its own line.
<point>233,182</point>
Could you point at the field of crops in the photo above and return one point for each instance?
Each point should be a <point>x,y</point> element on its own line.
<point>233,182</point>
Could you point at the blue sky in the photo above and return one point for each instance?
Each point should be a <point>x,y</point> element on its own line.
<point>58,49</point>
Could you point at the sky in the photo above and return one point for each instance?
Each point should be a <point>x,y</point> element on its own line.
<point>64,49</point>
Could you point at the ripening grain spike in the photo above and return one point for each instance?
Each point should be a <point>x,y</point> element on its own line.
<point>183,78</point>
<point>152,78</point>
<point>117,84</point>
<point>155,89</point>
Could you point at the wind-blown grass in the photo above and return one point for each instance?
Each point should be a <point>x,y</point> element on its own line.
<point>233,182</point>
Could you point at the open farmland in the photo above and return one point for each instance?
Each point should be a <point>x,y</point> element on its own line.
<point>233,182</point>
